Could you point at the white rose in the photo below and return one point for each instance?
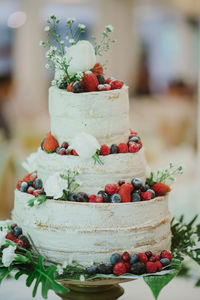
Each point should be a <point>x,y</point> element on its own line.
<point>55,185</point>
<point>8,255</point>
<point>81,57</point>
<point>85,145</point>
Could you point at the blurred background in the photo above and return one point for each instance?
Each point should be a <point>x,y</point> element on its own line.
<point>156,55</point>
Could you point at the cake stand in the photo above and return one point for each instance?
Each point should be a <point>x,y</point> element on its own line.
<point>98,289</point>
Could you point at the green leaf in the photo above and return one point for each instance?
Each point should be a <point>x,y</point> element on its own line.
<point>4,272</point>
<point>197,284</point>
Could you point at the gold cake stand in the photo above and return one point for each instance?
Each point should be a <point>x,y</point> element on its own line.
<point>98,289</point>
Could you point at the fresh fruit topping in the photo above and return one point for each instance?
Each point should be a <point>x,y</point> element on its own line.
<point>91,270</point>
<point>43,142</point>
<point>12,226</point>
<point>148,254</point>
<point>136,183</point>
<point>97,69</point>
<point>37,192</point>
<point>134,258</point>
<point>152,259</point>
<point>18,242</point>
<point>125,192</point>
<point>111,189</point>
<point>113,149</point>
<point>115,198</point>
<point>30,190</point>
<point>145,187</point>
<point>115,258</point>
<point>30,176</point>
<point>120,182</point>
<point>153,194</point>
<point>38,183</point>
<point>116,84</point>
<point>166,254</point>
<point>151,267</point>
<point>122,148</point>
<point>92,199</point>
<point>119,269</point>
<point>158,265</point>
<point>90,81</point>
<point>73,197</point>
<point>105,150</point>
<point>26,243</point>
<point>165,262</point>
<point>133,132</point>
<point>24,187</point>
<point>134,139</point>
<point>104,87</point>
<point>62,151</point>
<point>73,152</point>
<point>128,267</point>
<point>105,196</point>
<point>65,145</point>
<point>70,87</point>
<point>50,143</point>
<point>146,196</point>
<point>19,182</point>
<point>142,257</point>
<point>101,79</point>
<point>135,197</point>
<point>109,79</point>
<point>99,199</point>
<point>68,152</point>
<point>78,87</point>
<point>126,256</point>
<point>133,147</point>
<point>82,197</point>
<point>161,189</point>
<point>17,231</point>
<point>10,236</point>
<point>104,269</point>
<point>157,257</point>
<point>138,268</point>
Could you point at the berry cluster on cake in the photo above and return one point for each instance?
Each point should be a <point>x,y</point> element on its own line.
<point>87,194</point>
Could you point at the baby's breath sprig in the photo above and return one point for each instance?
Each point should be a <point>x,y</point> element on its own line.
<point>72,183</point>
<point>73,33</point>
<point>104,44</point>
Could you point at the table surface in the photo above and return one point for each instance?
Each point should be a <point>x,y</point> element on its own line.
<point>178,289</point>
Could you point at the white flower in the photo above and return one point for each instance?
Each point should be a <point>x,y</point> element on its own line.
<point>110,28</point>
<point>46,28</point>
<point>72,41</point>
<point>81,26</point>
<point>2,238</point>
<point>8,255</point>
<point>62,42</point>
<point>71,20</point>
<point>55,185</point>
<point>80,57</point>
<point>85,145</point>
<point>59,75</point>
<point>82,277</point>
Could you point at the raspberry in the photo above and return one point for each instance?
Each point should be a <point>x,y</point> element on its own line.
<point>146,196</point>
<point>166,254</point>
<point>160,189</point>
<point>128,267</point>
<point>92,199</point>
<point>90,82</point>
<point>122,148</point>
<point>133,147</point>
<point>156,256</point>
<point>105,150</point>
<point>19,182</point>
<point>62,151</point>
<point>50,143</point>
<point>97,69</point>
<point>116,84</point>
<point>119,269</point>
<point>140,144</point>
<point>111,189</point>
<point>37,192</point>
<point>151,267</point>
<point>125,192</point>
<point>65,145</point>
<point>142,257</point>
<point>126,257</point>
<point>10,236</point>
<point>104,87</point>
<point>108,80</point>
<point>70,87</point>
<point>158,265</point>
<point>120,182</point>
<point>73,152</point>
<point>99,199</point>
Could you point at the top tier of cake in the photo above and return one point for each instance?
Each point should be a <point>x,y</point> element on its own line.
<point>104,115</point>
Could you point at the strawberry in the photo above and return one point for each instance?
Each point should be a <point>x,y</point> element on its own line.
<point>116,84</point>
<point>97,69</point>
<point>90,82</point>
<point>161,189</point>
<point>50,143</point>
<point>70,87</point>
<point>74,152</point>
<point>125,192</point>
<point>105,150</point>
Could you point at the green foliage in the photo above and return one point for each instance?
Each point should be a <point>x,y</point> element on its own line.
<point>97,159</point>
<point>38,200</point>
<point>104,44</point>
<point>5,272</point>
<point>72,185</point>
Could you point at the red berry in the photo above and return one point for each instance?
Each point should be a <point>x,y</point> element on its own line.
<point>116,84</point>
<point>128,267</point>
<point>140,144</point>
<point>37,192</point>
<point>12,226</point>
<point>148,254</point>
<point>166,254</point>
<point>50,143</point>
<point>125,256</point>
<point>99,199</point>
<point>133,147</point>
<point>146,196</point>
<point>19,182</point>
<point>70,87</point>
<point>133,133</point>
<point>122,148</point>
<point>152,259</point>
<point>161,189</point>
<point>68,152</point>
<point>62,151</point>
<point>30,190</point>
<point>119,269</point>
<point>65,145</point>
<point>142,257</point>
<point>10,236</point>
<point>104,87</point>
<point>156,256</point>
<point>108,80</point>
<point>97,69</point>
<point>73,152</point>
<point>90,81</point>
<point>105,150</point>
<point>158,265</point>
<point>125,192</point>
<point>18,242</point>
<point>111,189</point>
<point>30,177</point>
<point>92,199</point>
<point>151,267</point>
<point>120,182</point>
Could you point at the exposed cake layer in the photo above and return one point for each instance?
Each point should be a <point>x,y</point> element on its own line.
<point>104,115</point>
<point>93,177</point>
<point>91,232</point>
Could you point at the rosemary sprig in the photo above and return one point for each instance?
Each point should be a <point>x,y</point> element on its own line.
<point>96,158</point>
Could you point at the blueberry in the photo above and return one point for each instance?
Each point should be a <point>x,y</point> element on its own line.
<point>113,149</point>
<point>43,142</point>
<point>101,79</point>
<point>58,150</point>
<point>145,188</point>
<point>78,87</point>
<point>72,197</point>
<point>138,268</point>
<point>24,187</point>
<point>165,262</point>
<point>26,243</point>
<point>115,198</point>
<point>135,197</point>
<point>91,270</point>
<point>104,269</point>
<point>137,183</point>
<point>153,194</point>
<point>134,258</point>
<point>134,139</point>
<point>17,231</point>
<point>82,197</point>
<point>105,196</point>
<point>38,184</point>
<point>115,258</point>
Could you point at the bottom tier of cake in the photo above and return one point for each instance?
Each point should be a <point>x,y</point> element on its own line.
<point>91,232</point>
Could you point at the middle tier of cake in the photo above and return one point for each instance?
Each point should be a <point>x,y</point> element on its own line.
<point>93,177</point>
